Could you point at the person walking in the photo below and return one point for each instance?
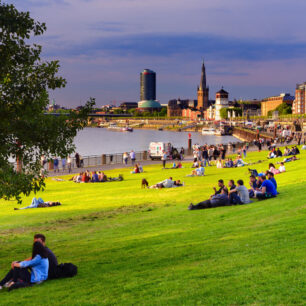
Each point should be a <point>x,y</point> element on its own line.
<point>133,157</point>
<point>125,158</point>
<point>69,163</point>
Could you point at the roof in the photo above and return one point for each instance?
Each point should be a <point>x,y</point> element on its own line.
<point>222,91</point>
<point>149,104</point>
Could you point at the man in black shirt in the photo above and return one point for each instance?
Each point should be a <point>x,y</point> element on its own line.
<point>51,257</point>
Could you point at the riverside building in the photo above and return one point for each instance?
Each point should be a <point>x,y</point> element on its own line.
<point>298,106</point>
<point>271,103</point>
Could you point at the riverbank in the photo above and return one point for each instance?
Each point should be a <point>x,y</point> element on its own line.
<point>142,246</point>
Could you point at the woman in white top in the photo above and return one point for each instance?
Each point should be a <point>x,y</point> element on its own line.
<point>282,168</point>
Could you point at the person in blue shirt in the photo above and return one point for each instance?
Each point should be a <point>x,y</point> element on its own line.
<point>95,177</point>
<point>39,265</point>
<point>272,179</point>
<point>267,189</point>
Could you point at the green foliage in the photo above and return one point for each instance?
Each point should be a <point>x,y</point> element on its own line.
<point>25,132</point>
<point>283,109</point>
<point>224,111</point>
<point>137,246</point>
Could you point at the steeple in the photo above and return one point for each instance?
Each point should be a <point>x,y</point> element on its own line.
<point>203,78</point>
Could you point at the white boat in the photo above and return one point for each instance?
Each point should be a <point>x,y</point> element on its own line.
<point>115,127</point>
<point>127,129</point>
<point>208,131</point>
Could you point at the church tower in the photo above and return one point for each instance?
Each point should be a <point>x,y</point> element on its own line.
<point>203,91</point>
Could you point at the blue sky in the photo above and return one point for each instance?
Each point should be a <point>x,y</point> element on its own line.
<point>253,48</point>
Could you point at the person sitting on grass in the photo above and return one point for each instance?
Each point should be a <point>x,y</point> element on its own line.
<point>37,203</point>
<point>273,169</point>
<point>239,162</point>
<point>95,177</point>
<point>267,189</point>
<point>20,276</point>
<point>254,184</point>
<point>102,177</point>
<point>282,168</point>
<point>177,166</point>
<point>195,163</point>
<point>77,178</point>
<point>86,177</point>
<point>198,171</point>
<point>243,194</point>
<point>219,164</point>
<point>229,163</point>
<point>272,179</point>
<point>220,199</point>
<point>136,169</point>
<point>233,197</point>
<point>221,186</point>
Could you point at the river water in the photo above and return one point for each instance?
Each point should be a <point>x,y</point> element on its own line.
<point>97,141</point>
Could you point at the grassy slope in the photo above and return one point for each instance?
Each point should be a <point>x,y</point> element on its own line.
<point>143,246</point>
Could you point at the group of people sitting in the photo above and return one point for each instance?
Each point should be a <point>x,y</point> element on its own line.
<point>293,151</point>
<point>39,267</point>
<point>223,196</point>
<point>275,153</point>
<point>94,177</point>
<point>229,163</point>
<point>167,183</point>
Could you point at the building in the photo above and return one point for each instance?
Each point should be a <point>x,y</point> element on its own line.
<point>147,85</point>
<point>221,102</point>
<point>298,106</point>
<point>149,105</point>
<point>271,103</point>
<point>203,91</point>
<point>128,105</point>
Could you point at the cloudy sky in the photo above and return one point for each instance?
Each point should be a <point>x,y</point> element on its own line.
<point>252,48</point>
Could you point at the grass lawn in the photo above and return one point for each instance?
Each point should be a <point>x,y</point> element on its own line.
<point>142,246</point>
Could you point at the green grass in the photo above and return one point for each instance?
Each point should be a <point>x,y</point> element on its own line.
<point>136,246</point>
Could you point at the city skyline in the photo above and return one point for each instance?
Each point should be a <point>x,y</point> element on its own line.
<point>255,50</point>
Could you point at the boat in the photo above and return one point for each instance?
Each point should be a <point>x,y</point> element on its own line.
<point>208,131</point>
<point>127,129</point>
<point>114,127</point>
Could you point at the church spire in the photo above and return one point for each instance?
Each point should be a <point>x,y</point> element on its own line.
<point>203,78</point>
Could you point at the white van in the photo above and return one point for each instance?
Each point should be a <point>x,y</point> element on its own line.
<point>156,149</point>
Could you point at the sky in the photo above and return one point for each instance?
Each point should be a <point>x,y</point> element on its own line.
<point>254,49</point>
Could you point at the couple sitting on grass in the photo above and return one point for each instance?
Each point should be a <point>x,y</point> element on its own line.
<point>265,187</point>
<point>199,171</point>
<point>223,197</point>
<point>38,203</point>
<point>137,169</point>
<point>168,183</point>
<point>33,270</point>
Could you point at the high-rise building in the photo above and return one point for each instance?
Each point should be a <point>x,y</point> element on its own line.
<point>298,106</point>
<point>147,85</point>
<point>203,91</point>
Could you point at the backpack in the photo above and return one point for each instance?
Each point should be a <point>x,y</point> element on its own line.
<point>66,270</point>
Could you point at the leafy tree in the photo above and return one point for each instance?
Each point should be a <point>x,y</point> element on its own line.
<point>26,133</point>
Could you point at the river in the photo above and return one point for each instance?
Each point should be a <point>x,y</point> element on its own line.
<point>95,141</point>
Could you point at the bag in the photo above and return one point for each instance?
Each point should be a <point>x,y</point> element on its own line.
<point>66,270</point>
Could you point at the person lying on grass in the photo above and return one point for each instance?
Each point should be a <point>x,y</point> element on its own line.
<point>217,200</point>
<point>267,189</point>
<point>38,203</point>
<point>167,183</point>
<point>20,275</point>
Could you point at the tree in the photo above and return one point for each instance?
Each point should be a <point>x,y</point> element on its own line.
<point>26,133</point>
